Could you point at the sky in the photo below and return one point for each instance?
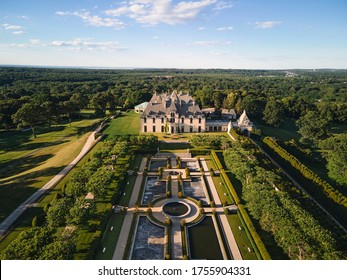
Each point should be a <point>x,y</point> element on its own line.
<point>240,34</point>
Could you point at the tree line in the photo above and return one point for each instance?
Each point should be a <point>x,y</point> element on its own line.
<point>54,234</point>
<point>265,95</point>
<point>267,198</point>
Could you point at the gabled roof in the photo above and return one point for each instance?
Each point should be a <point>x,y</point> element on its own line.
<point>243,120</point>
<point>228,111</point>
<point>164,104</point>
<point>142,105</point>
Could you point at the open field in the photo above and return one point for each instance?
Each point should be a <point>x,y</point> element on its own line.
<point>36,161</point>
<point>286,132</point>
<point>128,123</point>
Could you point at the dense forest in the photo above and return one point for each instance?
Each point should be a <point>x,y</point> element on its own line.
<point>314,99</point>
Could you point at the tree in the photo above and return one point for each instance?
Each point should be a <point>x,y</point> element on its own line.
<point>28,115</point>
<point>59,250</point>
<point>81,211</point>
<point>273,113</point>
<point>312,127</point>
<point>58,212</point>
<point>336,155</point>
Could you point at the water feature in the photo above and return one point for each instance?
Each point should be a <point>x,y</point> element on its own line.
<point>155,164</point>
<point>153,189</point>
<point>191,164</point>
<point>203,241</point>
<point>175,208</point>
<point>194,188</point>
<point>149,241</point>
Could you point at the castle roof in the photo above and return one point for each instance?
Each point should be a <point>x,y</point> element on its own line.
<point>243,120</point>
<point>164,104</point>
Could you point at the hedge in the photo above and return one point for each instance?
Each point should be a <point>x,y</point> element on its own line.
<point>244,214</point>
<point>325,190</point>
<point>216,160</point>
<point>230,186</point>
<point>255,236</point>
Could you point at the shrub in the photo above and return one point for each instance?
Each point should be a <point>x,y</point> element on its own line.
<point>34,222</point>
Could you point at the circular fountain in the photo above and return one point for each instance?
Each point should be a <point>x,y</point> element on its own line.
<point>176,209</point>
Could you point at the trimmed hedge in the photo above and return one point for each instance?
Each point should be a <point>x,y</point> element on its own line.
<point>242,211</point>
<point>256,238</point>
<point>216,160</point>
<point>318,188</point>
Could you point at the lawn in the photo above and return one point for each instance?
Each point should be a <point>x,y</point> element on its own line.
<point>128,123</point>
<point>286,132</point>
<point>35,161</point>
<point>241,237</point>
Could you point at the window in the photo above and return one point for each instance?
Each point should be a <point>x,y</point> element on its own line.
<point>182,129</point>
<point>199,120</point>
<point>172,129</point>
<point>210,128</point>
<point>191,129</point>
<point>162,128</point>
<point>182,120</point>
<point>145,120</point>
<point>153,120</point>
<point>199,129</point>
<point>191,120</point>
<point>162,120</point>
<point>153,128</point>
<point>145,128</point>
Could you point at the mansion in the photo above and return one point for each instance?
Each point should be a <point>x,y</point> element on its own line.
<point>178,113</point>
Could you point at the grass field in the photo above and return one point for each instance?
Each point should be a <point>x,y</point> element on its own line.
<point>128,123</point>
<point>286,132</point>
<point>28,163</point>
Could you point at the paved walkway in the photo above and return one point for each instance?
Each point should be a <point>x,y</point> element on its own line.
<point>222,218</point>
<point>125,231</point>
<point>177,251</point>
<point>32,200</point>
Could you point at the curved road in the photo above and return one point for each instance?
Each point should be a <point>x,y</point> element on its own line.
<point>31,201</point>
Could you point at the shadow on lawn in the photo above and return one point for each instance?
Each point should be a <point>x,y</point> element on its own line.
<point>20,140</point>
<point>13,192</point>
<point>17,166</point>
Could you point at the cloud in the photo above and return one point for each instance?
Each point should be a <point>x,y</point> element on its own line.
<point>81,44</point>
<point>201,28</point>
<point>20,32</point>
<point>12,27</point>
<point>225,28</point>
<point>267,24</point>
<point>218,53</point>
<point>222,5</point>
<point>212,43</point>
<point>15,29</point>
<point>94,20</point>
<point>153,12</point>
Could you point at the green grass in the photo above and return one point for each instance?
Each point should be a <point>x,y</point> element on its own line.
<point>241,237</point>
<point>286,132</point>
<point>128,123</point>
<point>110,238</point>
<point>218,183</point>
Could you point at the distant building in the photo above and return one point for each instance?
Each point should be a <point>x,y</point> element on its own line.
<point>172,113</point>
<point>229,114</point>
<point>141,107</point>
<point>243,123</point>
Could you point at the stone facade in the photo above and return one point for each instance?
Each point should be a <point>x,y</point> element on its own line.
<point>178,113</point>
<point>172,113</point>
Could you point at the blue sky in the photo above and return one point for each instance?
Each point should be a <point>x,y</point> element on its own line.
<point>243,34</point>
